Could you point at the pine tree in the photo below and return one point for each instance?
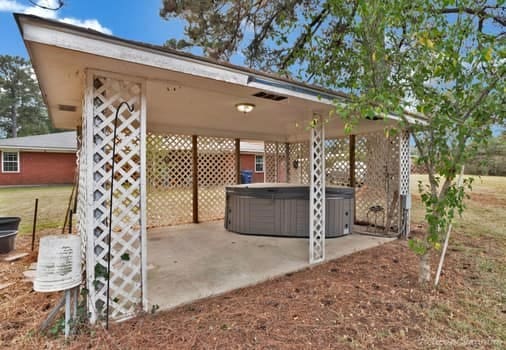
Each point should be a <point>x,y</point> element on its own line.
<point>22,111</point>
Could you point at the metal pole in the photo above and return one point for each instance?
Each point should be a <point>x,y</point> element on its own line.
<point>447,238</point>
<point>34,222</point>
<point>67,313</point>
<point>74,304</point>
<point>111,196</point>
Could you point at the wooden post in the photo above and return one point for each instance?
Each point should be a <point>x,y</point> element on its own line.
<point>195,182</point>
<point>238,161</point>
<point>287,162</point>
<point>353,181</point>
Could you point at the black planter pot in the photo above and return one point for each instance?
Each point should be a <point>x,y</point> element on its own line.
<point>7,241</point>
<point>9,223</point>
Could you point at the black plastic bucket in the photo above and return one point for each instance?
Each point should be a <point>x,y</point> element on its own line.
<point>7,241</point>
<point>9,223</point>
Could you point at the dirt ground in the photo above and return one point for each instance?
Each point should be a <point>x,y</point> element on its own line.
<point>369,299</point>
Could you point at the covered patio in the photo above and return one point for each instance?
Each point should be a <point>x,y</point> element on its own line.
<point>177,147</point>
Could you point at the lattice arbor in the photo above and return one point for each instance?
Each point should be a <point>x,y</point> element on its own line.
<point>317,194</point>
<point>169,169</point>
<point>337,161</point>
<point>103,96</point>
<point>405,171</point>
<point>276,159</point>
<point>298,163</point>
<point>216,169</point>
<point>377,179</point>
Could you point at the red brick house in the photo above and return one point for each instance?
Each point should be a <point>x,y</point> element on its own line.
<point>38,160</point>
<point>252,158</point>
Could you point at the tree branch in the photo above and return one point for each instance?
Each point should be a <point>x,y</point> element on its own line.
<point>481,13</point>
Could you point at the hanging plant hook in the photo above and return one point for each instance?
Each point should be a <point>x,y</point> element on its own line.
<point>130,109</point>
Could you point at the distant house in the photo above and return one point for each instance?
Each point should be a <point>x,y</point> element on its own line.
<point>252,158</point>
<point>38,160</point>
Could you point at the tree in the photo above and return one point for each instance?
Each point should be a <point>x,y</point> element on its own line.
<point>22,111</point>
<point>441,60</point>
<point>490,159</point>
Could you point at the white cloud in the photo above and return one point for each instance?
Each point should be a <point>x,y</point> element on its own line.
<point>87,23</point>
<point>11,6</point>
<point>15,6</point>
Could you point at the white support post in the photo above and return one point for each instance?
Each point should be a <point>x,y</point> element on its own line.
<point>104,94</point>
<point>144,195</point>
<point>404,188</point>
<point>317,193</point>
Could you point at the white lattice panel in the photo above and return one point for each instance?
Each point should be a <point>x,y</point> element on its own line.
<point>405,171</point>
<point>81,187</point>
<point>104,95</point>
<point>169,163</point>
<point>337,161</point>
<point>282,162</point>
<point>317,194</point>
<point>377,177</point>
<point>276,162</point>
<point>298,163</point>
<point>271,161</point>
<point>216,169</point>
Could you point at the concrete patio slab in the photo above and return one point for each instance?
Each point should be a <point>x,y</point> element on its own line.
<point>190,262</point>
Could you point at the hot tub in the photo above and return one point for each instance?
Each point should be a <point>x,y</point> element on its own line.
<point>283,210</point>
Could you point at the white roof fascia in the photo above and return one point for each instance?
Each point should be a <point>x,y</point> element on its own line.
<point>36,149</point>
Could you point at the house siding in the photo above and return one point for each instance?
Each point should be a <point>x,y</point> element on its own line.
<point>248,163</point>
<point>42,168</point>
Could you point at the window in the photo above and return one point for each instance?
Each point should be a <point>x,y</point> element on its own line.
<point>259,164</point>
<point>10,162</point>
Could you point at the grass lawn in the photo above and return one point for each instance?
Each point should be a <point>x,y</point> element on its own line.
<point>20,201</point>
<point>370,299</point>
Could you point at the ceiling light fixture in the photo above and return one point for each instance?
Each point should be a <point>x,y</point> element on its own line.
<point>245,107</point>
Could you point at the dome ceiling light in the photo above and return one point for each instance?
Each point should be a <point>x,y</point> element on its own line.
<point>245,107</point>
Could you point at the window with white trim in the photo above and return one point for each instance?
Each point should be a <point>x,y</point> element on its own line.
<point>10,162</point>
<point>259,164</point>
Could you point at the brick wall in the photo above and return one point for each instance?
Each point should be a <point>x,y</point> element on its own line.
<point>42,168</point>
<point>248,163</point>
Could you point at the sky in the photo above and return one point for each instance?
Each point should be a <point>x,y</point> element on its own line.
<point>136,20</point>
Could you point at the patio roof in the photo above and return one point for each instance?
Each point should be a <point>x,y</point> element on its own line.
<point>57,142</point>
<point>184,93</point>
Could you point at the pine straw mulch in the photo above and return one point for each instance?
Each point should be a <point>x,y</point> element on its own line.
<point>370,299</point>
<point>21,309</point>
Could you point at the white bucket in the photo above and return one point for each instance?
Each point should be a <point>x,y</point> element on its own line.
<point>58,263</point>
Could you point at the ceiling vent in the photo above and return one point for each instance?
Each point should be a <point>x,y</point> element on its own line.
<point>67,108</point>
<point>270,96</point>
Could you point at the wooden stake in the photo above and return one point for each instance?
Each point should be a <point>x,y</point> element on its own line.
<point>238,161</point>
<point>34,222</point>
<point>69,205</point>
<point>70,221</point>
<point>195,182</point>
<point>352,173</point>
<point>447,238</point>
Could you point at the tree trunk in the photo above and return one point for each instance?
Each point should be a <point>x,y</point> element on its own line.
<point>14,117</point>
<point>424,273</point>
